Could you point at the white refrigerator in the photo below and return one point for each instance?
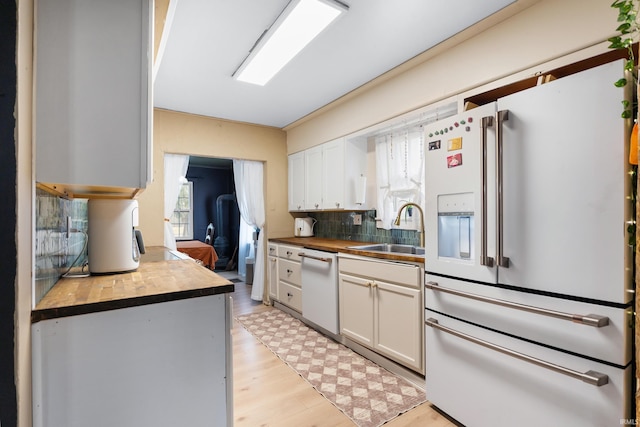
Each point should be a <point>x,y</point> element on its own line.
<point>529,300</point>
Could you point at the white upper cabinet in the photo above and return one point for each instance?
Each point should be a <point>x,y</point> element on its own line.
<point>331,174</point>
<point>345,168</point>
<point>296,181</point>
<point>313,177</point>
<point>93,96</point>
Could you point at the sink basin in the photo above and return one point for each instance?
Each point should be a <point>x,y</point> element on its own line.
<point>390,248</point>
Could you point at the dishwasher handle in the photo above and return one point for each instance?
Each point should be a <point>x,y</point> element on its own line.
<point>323,259</point>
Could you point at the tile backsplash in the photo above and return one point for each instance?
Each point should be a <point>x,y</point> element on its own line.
<point>339,225</point>
<point>55,253</point>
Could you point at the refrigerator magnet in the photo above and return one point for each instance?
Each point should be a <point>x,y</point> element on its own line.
<point>454,144</point>
<point>434,145</point>
<point>454,161</point>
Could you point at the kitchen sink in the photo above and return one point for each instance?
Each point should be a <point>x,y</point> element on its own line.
<point>390,248</point>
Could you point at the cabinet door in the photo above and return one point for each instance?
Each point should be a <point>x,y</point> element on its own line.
<point>313,178</point>
<point>356,309</point>
<point>273,277</point>
<point>398,323</point>
<point>333,173</point>
<point>93,108</point>
<point>149,351</point>
<point>296,181</point>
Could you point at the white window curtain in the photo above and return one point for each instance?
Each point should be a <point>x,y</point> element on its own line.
<point>248,177</point>
<point>175,170</point>
<point>399,172</point>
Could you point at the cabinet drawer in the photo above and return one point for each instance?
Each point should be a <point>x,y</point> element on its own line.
<point>289,271</point>
<point>290,295</point>
<point>272,250</point>
<point>403,274</point>
<point>289,252</point>
<point>509,388</point>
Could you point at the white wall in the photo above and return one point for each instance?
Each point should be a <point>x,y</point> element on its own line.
<point>547,30</point>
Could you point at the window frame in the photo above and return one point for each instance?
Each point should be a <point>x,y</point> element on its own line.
<point>189,223</point>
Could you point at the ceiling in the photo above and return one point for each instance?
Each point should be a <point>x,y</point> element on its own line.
<point>208,39</point>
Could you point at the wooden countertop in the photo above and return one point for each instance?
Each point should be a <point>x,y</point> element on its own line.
<point>333,245</point>
<point>160,279</point>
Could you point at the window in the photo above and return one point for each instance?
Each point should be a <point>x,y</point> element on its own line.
<point>400,171</point>
<point>182,218</point>
<point>400,167</point>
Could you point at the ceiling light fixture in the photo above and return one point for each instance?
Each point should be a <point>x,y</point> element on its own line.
<point>299,23</point>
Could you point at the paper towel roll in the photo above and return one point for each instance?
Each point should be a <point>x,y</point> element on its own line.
<point>361,189</point>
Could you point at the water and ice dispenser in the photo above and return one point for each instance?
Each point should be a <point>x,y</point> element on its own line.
<point>456,230</point>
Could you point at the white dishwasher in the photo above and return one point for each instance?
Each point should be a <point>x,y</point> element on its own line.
<point>320,288</point>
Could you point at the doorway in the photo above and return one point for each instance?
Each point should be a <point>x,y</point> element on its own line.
<point>214,202</point>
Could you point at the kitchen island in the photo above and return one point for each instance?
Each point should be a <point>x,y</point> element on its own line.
<point>149,347</point>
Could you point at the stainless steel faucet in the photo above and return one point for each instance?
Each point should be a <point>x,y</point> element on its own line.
<point>397,221</point>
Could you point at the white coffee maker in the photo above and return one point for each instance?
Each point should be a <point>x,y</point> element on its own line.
<point>113,246</point>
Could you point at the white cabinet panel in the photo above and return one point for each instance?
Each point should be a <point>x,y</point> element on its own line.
<point>313,178</point>
<point>296,181</point>
<point>273,271</point>
<point>93,98</point>
<point>398,316</point>
<point>356,309</point>
<point>333,174</point>
<point>163,365</point>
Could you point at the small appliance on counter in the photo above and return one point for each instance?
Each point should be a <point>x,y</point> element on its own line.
<point>114,243</point>
<point>304,227</point>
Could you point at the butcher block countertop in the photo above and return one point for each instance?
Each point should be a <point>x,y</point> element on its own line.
<point>333,245</point>
<point>160,277</point>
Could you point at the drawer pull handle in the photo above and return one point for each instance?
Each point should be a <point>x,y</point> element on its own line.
<point>289,253</point>
<point>289,271</point>
<point>289,294</point>
<point>590,377</point>
<point>587,319</point>
<point>323,259</point>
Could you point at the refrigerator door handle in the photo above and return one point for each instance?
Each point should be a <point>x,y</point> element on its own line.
<point>485,260</point>
<point>590,377</point>
<point>594,320</point>
<point>501,117</point>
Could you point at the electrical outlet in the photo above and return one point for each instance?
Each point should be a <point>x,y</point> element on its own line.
<point>357,219</point>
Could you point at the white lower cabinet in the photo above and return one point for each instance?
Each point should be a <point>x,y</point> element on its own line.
<point>289,277</point>
<point>165,364</point>
<point>381,307</point>
<point>273,271</point>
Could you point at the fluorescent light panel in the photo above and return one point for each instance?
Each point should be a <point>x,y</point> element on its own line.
<point>297,25</point>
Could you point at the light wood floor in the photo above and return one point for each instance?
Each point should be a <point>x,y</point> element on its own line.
<point>269,393</point>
